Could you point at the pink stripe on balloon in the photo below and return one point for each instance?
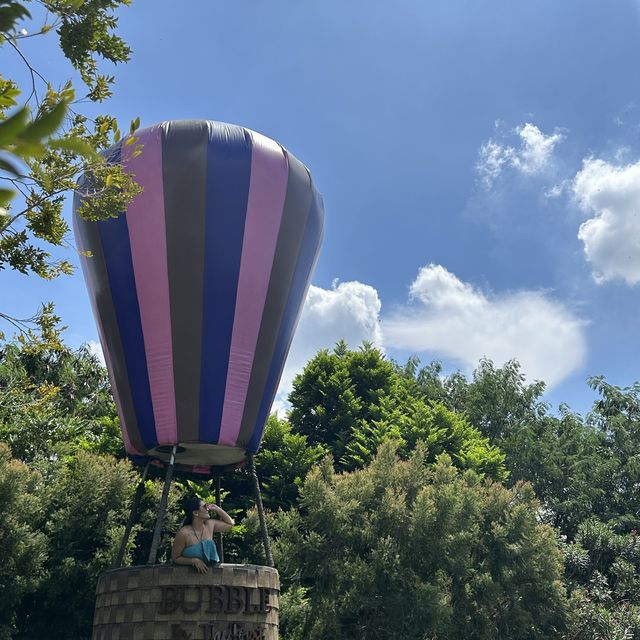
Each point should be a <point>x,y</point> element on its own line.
<point>146,224</point>
<point>128,447</point>
<point>267,191</point>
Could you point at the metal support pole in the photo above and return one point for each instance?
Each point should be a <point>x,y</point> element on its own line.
<point>218,502</point>
<point>132,518</point>
<point>263,521</point>
<point>162,508</point>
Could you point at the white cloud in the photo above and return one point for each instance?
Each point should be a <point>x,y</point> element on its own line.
<point>95,348</point>
<point>611,237</point>
<point>349,311</point>
<point>558,189</point>
<point>448,319</point>
<point>532,156</point>
<point>451,319</point>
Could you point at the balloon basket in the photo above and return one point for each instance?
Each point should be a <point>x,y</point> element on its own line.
<point>172,602</point>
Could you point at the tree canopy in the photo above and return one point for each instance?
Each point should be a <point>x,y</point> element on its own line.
<point>47,143</point>
<point>406,549</point>
<point>426,501</point>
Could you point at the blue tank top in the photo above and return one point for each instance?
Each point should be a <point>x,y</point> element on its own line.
<point>205,550</point>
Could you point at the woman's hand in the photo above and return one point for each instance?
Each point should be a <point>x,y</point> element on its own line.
<point>200,566</point>
<point>226,521</point>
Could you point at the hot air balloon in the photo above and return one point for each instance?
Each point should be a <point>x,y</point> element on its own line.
<point>197,289</point>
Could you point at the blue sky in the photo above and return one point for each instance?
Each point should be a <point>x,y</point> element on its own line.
<point>479,162</point>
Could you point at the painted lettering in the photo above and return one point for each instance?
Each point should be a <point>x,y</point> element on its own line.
<point>233,631</point>
<point>191,606</point>
<point>171,599</point>
<point>216,600</point>
<point>219,599</point>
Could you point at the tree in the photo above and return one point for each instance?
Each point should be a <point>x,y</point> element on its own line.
<point>338,390</point>
<point>353,401</point>
<point>603,578</point>
<point>283,462</point>
<point>42,158</point>
<point>563,459</point>
<point>616,418</point>
<point>53,402</point>
<point>406,549</point>
<point>498,401</point>
<point>562,456</point>
<point>24,548</point>
<point>82,511</point>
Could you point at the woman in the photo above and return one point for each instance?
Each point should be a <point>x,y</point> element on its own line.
<point>194,543</point>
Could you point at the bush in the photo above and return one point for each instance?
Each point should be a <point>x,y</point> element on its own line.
<point>404,549</point>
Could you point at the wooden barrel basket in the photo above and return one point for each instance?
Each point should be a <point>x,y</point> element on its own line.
<point>171,602</point>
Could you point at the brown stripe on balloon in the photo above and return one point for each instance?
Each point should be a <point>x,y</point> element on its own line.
<point>184,165</point>
<point>294,219</point>
<point>96,271</point>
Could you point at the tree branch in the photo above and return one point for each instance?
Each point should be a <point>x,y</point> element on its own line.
<point>32,71</point>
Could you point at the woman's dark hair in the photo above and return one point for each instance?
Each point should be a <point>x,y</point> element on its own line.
<point>190,504</point>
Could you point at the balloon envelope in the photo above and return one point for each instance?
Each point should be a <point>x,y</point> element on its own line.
<point>197,289</point>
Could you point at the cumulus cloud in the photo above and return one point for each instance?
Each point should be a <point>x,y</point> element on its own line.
<point>611,237</point>
<point>532,156</point>
<point>451,319</point>
<point>349,311</point>
<point>445,318</point>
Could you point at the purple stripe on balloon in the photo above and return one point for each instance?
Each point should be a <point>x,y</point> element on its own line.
<point>128,447</point>
<point>145,221</point>
<point>267,191</point>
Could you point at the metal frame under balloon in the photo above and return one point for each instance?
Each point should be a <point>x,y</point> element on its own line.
<point>171,468</point>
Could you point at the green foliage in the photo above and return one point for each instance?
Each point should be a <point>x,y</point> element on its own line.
<point>498,401</point>
<point>283,462</point>
<point>53,403</point>
<point>603,576</point>
<point>354,401</point>
<point>24,548</point>
<point>140,542</point>
<point>562,458</point>
<point>82,511</point>
<point>86,31</point>
<point>578,467</point>
<point>10,13</point>
<point>616,419</point>
<point>336,391</point>
<point>42,156</point>
<point>403,521</point>
<point>405,549</point>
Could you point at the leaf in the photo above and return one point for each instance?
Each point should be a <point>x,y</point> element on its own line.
<point>7,96</point>
<point>46,124</point>
<point>13,126</point>
<point>26,149</point>
<point>76,145</point>
<point>6,195</point>
<point>11,14</point>
<point>72,5</point>
<point>5,165</point>
<point>108,180</point>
